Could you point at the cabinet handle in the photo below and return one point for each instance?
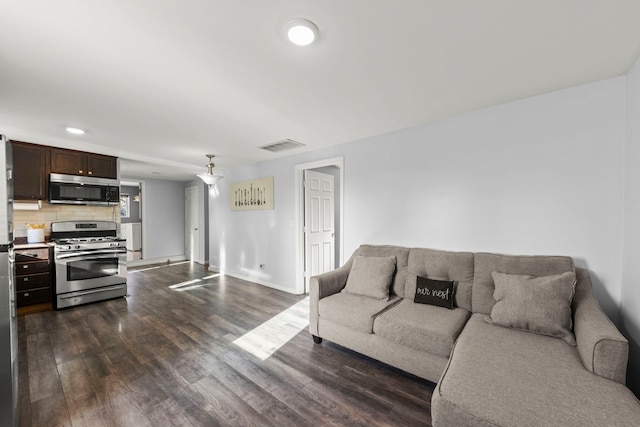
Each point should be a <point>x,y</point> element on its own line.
<point>26,294</point>
<point>26,279</point>
<point>25,267</point>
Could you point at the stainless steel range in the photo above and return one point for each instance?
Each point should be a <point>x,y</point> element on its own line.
<point>90,262</point>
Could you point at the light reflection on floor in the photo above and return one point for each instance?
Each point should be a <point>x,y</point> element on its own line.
<point>267,338</point>
<point>159,266</point>
<point>192,284</point>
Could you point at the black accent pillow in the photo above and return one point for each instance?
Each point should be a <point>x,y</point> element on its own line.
<point>435,292</point>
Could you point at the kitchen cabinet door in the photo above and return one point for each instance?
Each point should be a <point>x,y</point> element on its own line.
<point>69,162</point>
<point>102,166</point>
<point>29,171</point>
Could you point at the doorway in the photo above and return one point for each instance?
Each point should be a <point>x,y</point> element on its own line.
<point>131,218</point>
<point>319,222</point>
<point>191,225</point>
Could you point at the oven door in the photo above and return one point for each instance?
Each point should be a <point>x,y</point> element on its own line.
<point>81,270</point>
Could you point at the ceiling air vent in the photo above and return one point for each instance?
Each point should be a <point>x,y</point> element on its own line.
<point>285,144</point>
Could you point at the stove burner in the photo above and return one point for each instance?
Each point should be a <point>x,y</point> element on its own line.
<point>88,239</point>
<point>84,232</point>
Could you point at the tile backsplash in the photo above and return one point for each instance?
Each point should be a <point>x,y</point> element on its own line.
<point>49,213</point>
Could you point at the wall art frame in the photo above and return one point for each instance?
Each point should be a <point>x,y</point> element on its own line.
<point>125,206</point>
<point>256,194</point>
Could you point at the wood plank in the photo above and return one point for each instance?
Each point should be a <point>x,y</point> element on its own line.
<point>259,399</point>
<point>24,397</point>
<point>85,409</point>
<point>34,308</point>
<point>64,348</point>
<point>43,375</point>
<point>118,403</point>
<point>50,411</point>
<point>170,413</point>
<point>224,405</point>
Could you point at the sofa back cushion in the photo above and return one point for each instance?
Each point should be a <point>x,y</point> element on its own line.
<point>402,260</point>
<point>441,265</point>
<point>486,264</point>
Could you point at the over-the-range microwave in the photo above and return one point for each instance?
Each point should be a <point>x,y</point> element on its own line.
<point>83,190</point>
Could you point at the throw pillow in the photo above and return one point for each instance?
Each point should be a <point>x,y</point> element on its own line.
<point>541,305</point>
<point>435,292</point>
<point>371,276</point>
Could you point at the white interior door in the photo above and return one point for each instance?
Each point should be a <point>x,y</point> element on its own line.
<point>191,233</point>
<point>319,228</point>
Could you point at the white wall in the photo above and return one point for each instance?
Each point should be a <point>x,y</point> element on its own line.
<point>537,176</point>
<point>630,299</point>
<point>242,240</point>
<point>163,211</point>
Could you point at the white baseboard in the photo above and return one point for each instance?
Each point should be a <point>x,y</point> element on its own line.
<point>159,260</point>
<point>254,280</point>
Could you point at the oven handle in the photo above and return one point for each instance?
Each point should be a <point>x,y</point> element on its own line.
<point>100,252</point>
<point>93,291</point>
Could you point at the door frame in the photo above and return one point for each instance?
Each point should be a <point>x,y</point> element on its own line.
<point>299,214</point>
<point>143,214</point>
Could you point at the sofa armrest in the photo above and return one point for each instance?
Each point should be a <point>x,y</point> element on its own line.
<point>603,349</point>
<point>322,286</point>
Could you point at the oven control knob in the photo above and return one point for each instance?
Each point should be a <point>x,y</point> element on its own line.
<point>77,247</point>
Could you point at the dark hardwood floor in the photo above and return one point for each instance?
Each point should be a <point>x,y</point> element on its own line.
<point>162,357</point>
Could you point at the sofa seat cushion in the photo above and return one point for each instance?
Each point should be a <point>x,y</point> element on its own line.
<point>422,327</point>
<point>505,377</point>
<point>354,311</point>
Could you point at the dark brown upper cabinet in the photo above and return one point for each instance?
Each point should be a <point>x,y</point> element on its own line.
<point>30,171</point>
<point>73,162</point>
<point>68,162</point>
<point>102,166</point>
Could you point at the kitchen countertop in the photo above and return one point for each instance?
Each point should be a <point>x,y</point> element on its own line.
<point>21,243</point>
<point>33,246</point>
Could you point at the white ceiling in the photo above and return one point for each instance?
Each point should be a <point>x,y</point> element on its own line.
<point>162,83</point>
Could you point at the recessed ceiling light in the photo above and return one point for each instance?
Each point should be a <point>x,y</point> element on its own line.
<point>75,131</point>
<point>301,32</point>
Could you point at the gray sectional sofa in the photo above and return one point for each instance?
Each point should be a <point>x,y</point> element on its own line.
<point>509,362</point>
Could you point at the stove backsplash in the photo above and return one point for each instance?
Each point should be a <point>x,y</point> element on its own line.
<point>49,213</point>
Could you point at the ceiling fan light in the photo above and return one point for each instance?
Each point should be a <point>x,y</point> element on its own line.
<point>209,177</point>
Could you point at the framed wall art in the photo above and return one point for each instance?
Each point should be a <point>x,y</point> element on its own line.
<point>256,194</point>
<point>124,205</point>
